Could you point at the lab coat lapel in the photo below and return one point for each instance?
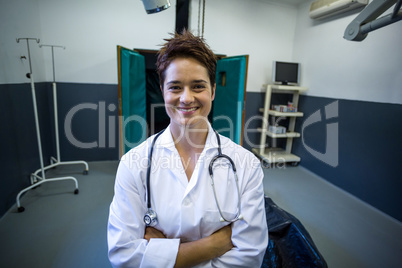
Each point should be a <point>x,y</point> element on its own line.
<point>175,165</point>
<point>204,159</point>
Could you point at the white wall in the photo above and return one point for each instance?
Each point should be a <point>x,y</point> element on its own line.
<point>19,18</point>
<point>89,29</point>
<point>333,67</point>
<point>263,30</point>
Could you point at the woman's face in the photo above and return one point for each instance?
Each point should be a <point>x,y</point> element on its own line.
<point>187,93</point>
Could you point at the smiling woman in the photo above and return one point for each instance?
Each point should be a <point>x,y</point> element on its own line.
<point>166,216</point>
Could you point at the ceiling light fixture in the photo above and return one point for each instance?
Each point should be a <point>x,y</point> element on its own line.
<point>155,6</point>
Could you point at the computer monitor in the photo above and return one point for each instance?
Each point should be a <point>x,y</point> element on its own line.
<point>286,73</point>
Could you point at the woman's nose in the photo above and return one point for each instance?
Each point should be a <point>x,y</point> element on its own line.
<point>187,96</point>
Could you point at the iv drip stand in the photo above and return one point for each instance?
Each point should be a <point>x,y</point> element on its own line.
<point>39,179</point>
<point>57,161</point>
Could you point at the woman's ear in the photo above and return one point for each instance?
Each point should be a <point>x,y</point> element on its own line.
<point>161,87</point>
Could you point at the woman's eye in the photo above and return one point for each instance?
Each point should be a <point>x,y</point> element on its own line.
<point>174,88</point>
<point>199,87</point>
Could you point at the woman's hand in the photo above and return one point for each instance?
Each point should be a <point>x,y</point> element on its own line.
<point>222,240</point>
<point>196,252</point>
<point>151,232</point>
<point>205,249</point>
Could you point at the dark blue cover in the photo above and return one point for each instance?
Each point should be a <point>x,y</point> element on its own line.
<point>290,245</point>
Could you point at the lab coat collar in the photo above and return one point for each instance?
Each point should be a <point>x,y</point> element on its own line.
<point>212,141</point>
<point>166,140</point>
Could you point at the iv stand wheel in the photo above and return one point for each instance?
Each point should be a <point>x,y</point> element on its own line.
<point>21,209</point>
<point>85,172</point>
<point>76,191</point>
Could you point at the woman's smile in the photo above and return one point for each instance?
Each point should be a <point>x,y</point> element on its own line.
<point>187,110</point>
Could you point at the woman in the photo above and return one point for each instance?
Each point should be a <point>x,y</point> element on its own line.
<point>189,231</point>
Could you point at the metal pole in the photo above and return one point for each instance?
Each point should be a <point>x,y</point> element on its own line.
<point>29,53</point>
<point>29,57</point>
<point>366,21</point>
<point>54,73</point>
<point>37,126</point>
<point>30,76</point>
<point>381,22</point>
<point>53,66</point>
<point>56,121</point>
<point>397,9</point>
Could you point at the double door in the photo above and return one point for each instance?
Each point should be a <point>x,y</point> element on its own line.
<point>141,103</point>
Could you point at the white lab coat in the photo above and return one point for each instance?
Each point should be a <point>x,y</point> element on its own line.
<point>186,210</point>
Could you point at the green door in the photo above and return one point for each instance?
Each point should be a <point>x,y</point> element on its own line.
<point>132,98</point>
<point>230,93</point>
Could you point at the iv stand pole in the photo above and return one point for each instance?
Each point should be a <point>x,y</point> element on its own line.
<point>57,161</point>
<point>39,179</point>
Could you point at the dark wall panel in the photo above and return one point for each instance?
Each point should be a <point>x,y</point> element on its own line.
<point>18,140</point>
<point>370,146</point>
<point>19,155</point>
<point>252,119</point>
<point>366,162</point>
<point>92,112</point>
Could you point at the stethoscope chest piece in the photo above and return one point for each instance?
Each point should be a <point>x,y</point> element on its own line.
<point>150,218</point>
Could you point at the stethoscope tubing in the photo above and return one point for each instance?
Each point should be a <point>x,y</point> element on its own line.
<point>220,155</point>
<point>211,164</point>
<point>149,170</point>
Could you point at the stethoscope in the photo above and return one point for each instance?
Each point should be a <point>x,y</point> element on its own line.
<point>151,218</point>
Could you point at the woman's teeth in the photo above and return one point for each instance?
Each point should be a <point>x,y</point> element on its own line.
<point>187,109</point>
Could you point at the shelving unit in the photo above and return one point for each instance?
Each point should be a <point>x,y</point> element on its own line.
<point>273,155</point>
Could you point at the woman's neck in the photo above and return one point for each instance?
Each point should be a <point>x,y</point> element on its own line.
<point>190,138</point>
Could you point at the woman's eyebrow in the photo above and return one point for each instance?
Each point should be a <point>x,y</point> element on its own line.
<point>174,82</point>
<point>199,81</point>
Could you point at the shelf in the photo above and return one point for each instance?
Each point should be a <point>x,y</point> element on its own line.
<point>288,88</point>
<point>276,113</point>
<point>285,135</point>
<point>276,155</point>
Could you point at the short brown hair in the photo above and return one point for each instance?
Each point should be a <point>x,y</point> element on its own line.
<point>186,45</point>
